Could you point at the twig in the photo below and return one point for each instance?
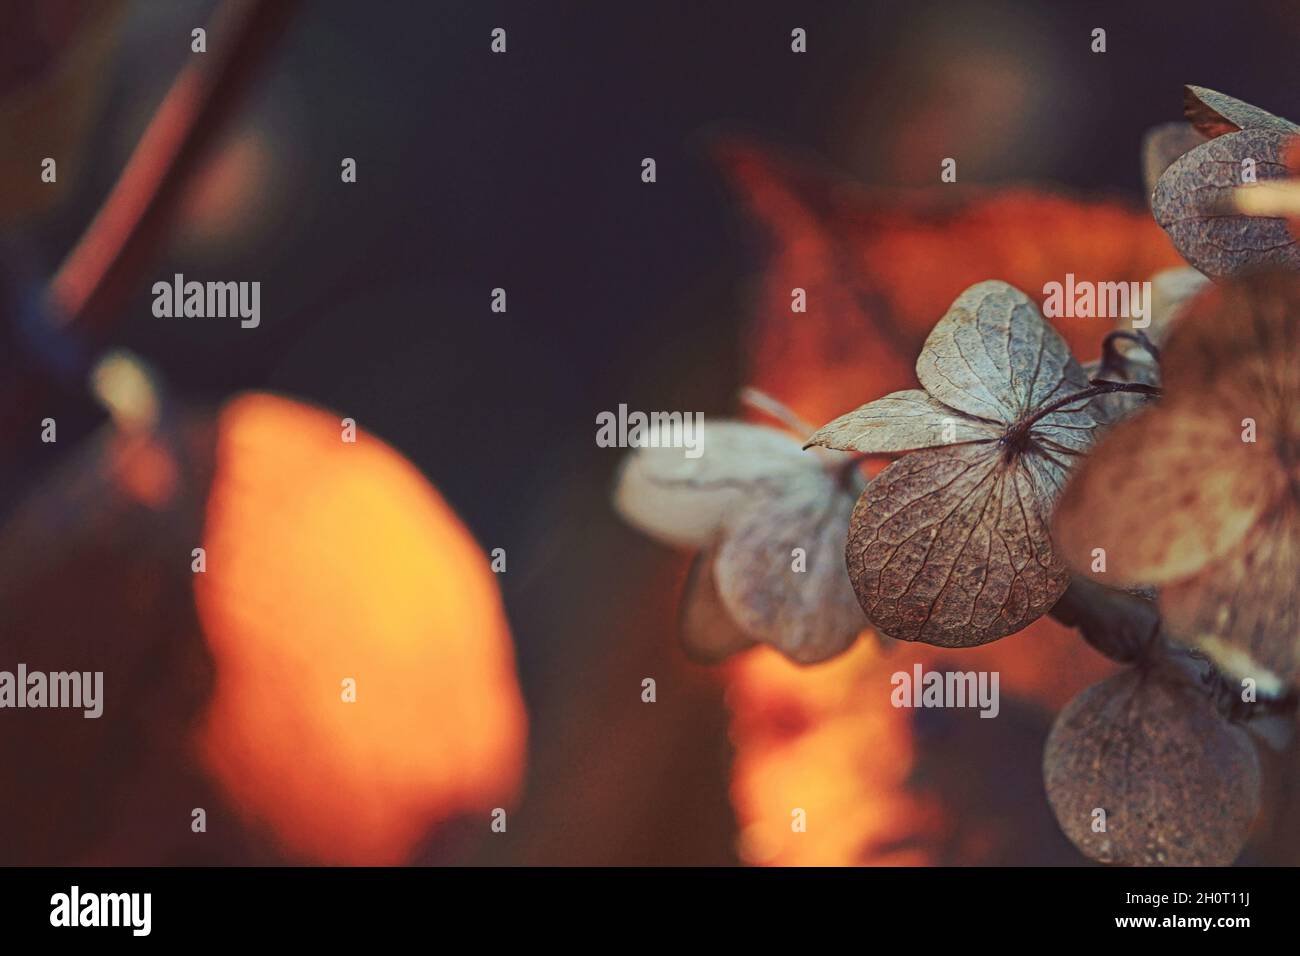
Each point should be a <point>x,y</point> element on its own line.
<point>102,269</point>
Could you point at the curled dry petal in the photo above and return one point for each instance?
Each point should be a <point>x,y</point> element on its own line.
<point>1178,784</point>
<point>1215,114</point>
<point>1192,194</point>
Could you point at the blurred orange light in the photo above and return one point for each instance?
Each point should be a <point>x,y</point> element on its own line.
<point>327,561</point>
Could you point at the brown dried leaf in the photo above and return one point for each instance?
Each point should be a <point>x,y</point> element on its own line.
<point>949,546</point>
<point>1180,786</point>
<point>1192,194</point>
<point>1215,114</point>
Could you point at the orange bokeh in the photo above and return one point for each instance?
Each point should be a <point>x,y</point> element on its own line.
<point>880,269</point>
<point>327,561</point>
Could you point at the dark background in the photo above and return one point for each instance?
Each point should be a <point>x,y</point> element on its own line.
<point>523,171</point>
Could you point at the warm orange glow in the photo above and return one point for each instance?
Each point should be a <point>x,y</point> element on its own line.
<point>881,269</point>
<point>327,561</point>
<point>827,740</point>
<point>817,739</point>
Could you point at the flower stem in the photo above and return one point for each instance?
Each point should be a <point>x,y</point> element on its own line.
<point>1111,356</point>
<point>1020,430</point>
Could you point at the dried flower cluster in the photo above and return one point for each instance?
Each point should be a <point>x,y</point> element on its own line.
<point>1150,498</point>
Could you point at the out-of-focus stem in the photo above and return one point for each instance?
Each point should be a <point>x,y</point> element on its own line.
<point>133,223</point>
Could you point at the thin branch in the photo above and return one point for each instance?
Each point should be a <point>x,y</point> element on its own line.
<point>132,225</point>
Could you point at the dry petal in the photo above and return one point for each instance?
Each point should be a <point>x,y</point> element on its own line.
<point>950,546</point>
<point>902,421</point>
<point>810,614</point>
<point>1244,612</point>
<point>1190,197</point>
<point>683,501</point>
<point>1167,492</point>
<point>993,357</point>
<point>1178,784</point>
<point>1161,145</point>
<point>1215,114</point>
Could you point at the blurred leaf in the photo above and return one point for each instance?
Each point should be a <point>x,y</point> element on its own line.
<point>1179,785</point>
<point>1200,494</point>
<point>95,576</point>
<point>708,632</point>
<point>1192,195</point>
<point>753,497</point>
<point>682,501</point>
<point>1163,494</point>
